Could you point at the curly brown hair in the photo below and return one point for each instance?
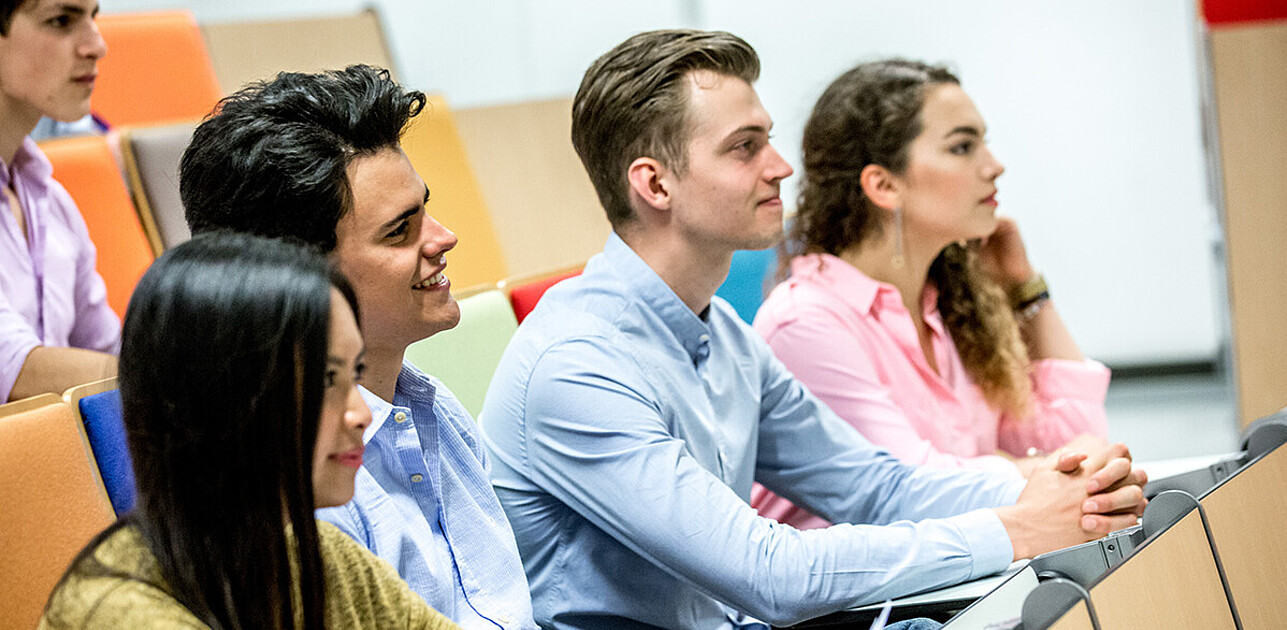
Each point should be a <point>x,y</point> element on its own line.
<point>870,115</point>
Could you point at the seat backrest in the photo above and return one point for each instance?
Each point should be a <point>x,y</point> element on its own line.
<point>251,51</point>
<point>534,184</point>
<point>156,70</point>
<point>99,407</point>
<point>525,293</point>
<point>51,503</point>
<point>465,357</point>
<point>152,157</point>
<point>86,168</point>
<point>455,200</point>
<point>746,284</point>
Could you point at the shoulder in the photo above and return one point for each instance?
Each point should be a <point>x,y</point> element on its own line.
<point>117,586</point>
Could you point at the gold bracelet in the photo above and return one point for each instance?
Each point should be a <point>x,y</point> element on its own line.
<point>1023,295</point>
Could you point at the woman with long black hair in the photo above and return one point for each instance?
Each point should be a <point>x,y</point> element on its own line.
<point>239,369</point>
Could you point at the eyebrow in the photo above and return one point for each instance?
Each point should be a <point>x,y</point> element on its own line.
<point>340,362</point>
<point>403,216</point>
<point>965,129</point>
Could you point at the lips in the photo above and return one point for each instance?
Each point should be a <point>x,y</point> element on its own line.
<point>990,200</point>
<point>351,458</point>
<point>87,78</point>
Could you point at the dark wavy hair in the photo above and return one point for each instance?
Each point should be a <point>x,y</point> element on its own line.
<point>870,115</point>
<point>222,369</point>
<point>272,159</point>
<point>632,103</point>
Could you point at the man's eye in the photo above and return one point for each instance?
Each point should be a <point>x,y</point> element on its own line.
<point>398,231</point>
<point>62,21</point>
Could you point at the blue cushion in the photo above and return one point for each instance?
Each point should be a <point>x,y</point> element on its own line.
<point>747,280</point>
<point>105,427</point>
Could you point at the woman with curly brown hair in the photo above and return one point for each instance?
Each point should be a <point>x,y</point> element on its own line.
<point>912,309</point>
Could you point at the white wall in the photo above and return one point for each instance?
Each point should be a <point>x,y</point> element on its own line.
<point>1092,105</point>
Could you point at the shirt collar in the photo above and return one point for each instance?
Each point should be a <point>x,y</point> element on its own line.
<point>857,289</point>
<point>30,161</point>
<point>412,385</point>
<point>689,330</point>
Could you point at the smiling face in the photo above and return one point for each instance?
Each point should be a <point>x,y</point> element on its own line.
<point>48,61</point>
<point>727,198</point>
<point>948,190</point>
<point>338,453</point>
<point>394,253</point>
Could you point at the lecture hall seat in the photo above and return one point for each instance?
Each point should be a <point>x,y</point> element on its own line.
<point>98,405</point>
<point>156,70</point>
<point>465,357</point>
<point>525,293</point>
<point>52,502</point>
<point>86,168</point>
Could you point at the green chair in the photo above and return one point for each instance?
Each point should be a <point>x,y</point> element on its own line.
<point>465,357</point>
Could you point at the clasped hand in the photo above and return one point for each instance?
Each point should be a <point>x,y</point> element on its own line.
<point>1074,497</point>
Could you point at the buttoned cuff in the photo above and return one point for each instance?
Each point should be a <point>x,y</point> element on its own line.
<point>990,548</point>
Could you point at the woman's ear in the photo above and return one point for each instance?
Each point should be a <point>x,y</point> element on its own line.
<point>647,180</point>
<point>880,186</point>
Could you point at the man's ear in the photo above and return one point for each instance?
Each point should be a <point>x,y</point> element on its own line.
<point>880,186</point>
<point>647,179</point>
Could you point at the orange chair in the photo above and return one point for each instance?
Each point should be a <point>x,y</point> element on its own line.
<point>434,147</point>
<point>85,167</point>
<point>525,293</point>
<point>52,502</point>
<point>157,70</point>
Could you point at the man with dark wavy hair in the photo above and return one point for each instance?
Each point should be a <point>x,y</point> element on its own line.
<point>315,158</point>
<point>633,410</point>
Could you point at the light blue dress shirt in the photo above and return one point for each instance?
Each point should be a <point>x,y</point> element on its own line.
<point>625,433</point>
<point>423,502</point>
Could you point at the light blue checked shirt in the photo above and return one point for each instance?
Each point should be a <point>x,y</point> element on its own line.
<point>423,502</point>
<point>625,433</point>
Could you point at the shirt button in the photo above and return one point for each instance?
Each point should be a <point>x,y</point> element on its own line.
<point>399,417</point>
<point>417,478</point>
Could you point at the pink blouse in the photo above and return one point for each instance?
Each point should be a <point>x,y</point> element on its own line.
<point>851,341</point>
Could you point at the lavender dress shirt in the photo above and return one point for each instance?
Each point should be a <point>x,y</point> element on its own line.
<point>50,293</point>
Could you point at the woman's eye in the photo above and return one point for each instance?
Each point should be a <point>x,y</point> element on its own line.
<point>328,380</point>
<point>962,148</point>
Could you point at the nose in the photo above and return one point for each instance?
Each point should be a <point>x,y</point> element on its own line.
<point>357,415</point>
<point>992,168</point>
<point>778,168</point>
<point>437,239</point>
<point>94,46</point>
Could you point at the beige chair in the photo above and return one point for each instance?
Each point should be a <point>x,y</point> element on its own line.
<point>152,157</point>
<point>536,189</point>
<point>52,502</point>
<point>251,51</point>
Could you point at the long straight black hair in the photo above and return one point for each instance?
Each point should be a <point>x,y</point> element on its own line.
<point>221,375</point>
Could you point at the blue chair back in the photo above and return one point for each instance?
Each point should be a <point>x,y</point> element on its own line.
<point>747,280</point>
<point>105,427</point>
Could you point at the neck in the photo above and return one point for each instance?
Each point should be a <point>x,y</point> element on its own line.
<point>875,257</point>
<point>14,127</point>
<point>693,273</point>
<point>382,368</point>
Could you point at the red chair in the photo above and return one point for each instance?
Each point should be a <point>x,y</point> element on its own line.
<point>525,293</point>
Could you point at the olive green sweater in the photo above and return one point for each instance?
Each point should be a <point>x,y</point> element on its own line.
<point>362,591</point>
